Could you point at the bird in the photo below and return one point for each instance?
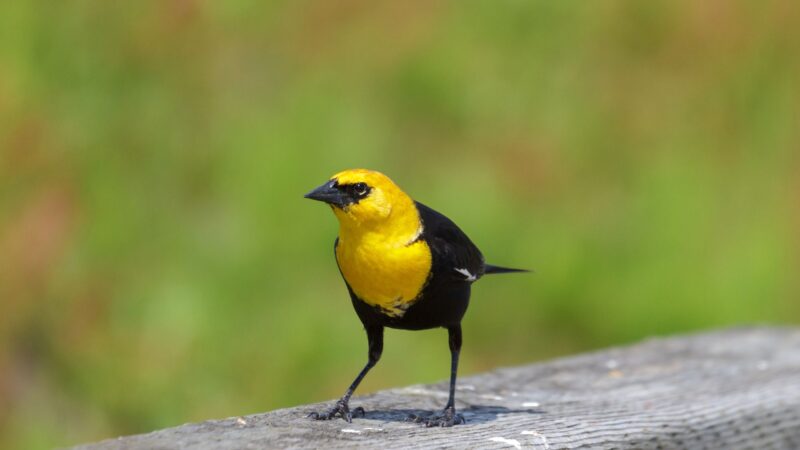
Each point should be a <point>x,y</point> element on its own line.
<point>406,266</point>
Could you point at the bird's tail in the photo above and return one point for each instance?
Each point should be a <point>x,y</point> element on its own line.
<point>490,269</point>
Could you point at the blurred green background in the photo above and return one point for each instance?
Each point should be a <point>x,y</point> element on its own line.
<point>158,263</point>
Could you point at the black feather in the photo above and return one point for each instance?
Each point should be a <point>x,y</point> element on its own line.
<point>490,269</point>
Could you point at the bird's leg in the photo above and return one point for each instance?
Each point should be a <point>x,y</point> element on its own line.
<point>448,418</point>
<point>342,407</point>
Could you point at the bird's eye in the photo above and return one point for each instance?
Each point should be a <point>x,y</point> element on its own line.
<point>360,189</point>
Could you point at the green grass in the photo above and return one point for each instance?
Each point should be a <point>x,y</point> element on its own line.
<point>159,265</point>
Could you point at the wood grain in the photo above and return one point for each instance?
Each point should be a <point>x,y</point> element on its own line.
<point>731,389</point>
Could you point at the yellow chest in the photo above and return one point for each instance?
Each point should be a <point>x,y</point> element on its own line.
<point>388,276</point>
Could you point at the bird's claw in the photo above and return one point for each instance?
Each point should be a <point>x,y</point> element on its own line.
<point>341,409</point>
<point>448,418</point>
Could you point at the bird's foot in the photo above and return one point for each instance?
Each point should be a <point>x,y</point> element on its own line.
<point>341,409</point>
<point>448,418</point>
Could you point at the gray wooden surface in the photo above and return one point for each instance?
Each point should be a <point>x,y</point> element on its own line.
<point>730,389</point>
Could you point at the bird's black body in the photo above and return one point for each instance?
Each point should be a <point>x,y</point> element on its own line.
<point>445,297</point>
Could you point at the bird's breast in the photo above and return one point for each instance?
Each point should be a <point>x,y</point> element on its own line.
<point>382,275</point>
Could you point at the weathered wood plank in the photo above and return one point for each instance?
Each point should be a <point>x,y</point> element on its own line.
<point>737,388</point>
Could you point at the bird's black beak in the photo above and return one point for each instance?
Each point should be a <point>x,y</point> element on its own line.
<point>329,194</point>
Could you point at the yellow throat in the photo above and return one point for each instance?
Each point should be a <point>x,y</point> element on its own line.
<point>378,252</point>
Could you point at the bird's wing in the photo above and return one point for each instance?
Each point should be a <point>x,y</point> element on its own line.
<point>454,254</point>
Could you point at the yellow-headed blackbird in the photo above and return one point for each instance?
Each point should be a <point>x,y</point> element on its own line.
<point>405,265</point>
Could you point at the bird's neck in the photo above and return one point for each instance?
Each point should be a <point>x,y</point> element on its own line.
<point>400,228</point>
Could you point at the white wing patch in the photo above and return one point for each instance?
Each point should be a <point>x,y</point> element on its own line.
<point>465,272</point>
<point>416,235</point>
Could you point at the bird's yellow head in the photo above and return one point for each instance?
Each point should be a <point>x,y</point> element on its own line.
<point>366,199</point>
